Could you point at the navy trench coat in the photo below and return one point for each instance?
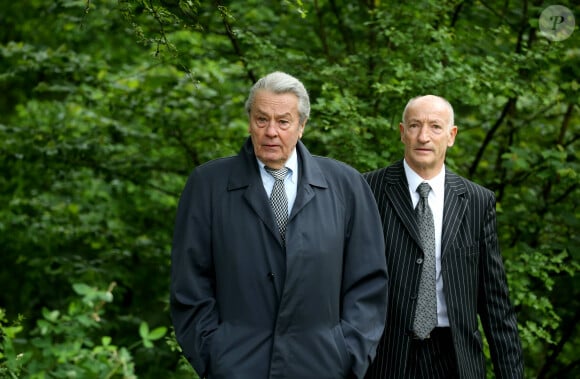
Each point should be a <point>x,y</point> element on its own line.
<point>243,306</point>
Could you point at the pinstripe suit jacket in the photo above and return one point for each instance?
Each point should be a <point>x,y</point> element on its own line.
<point>473,277</point>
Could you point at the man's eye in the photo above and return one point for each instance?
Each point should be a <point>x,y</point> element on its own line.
<point>284,124</point>
<point>437,129</point>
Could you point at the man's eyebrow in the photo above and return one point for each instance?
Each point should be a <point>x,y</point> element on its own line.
<point>434,121</point>
<point>286,114</point>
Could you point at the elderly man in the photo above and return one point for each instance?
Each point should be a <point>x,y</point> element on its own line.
<point>278,266</point>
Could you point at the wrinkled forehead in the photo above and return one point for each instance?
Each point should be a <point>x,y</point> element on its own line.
<point>428,110</point>
<point>268,99</point>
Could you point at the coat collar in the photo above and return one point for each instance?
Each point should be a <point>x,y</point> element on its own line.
<point>245,175</point>
<point>245,171</point>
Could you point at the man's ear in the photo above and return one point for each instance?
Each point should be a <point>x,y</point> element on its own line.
<point>401,130</point>
<point>301,128</point>
<point>452,134</point>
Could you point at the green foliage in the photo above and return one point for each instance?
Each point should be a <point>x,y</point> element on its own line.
<point>108,105</point>
<point>11,361</point>
<point>70,344</point>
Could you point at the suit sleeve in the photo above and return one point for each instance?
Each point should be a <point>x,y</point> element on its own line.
<point>364,290</point>
<point>495,308</point>
<point>192,293</point>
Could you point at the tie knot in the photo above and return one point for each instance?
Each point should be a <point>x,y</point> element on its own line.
<point>424,189</point>
<point>279,174</point>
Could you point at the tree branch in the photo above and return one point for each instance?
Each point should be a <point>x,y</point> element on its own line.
<point>234,41</point>
<point>567,334</point>
<point>322,30</point>
<point>489,136</point>
<point>346,35</point>
<point>565,124</point>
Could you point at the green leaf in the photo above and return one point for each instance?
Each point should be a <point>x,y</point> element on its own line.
<point>157,333</point>
<point>144,330</point>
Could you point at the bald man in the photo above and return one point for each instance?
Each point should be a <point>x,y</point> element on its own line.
<point>443,260</point>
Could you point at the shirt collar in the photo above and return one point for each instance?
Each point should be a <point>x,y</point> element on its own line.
<point>291,164</point>
<point>437,183</point>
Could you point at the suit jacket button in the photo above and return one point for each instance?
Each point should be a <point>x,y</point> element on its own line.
<point>419,261</point>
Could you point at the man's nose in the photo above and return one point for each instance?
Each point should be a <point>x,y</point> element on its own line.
<point>271,128</point>
<point>424,133</point>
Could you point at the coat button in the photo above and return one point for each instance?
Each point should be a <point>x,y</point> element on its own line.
<point>419,261</point>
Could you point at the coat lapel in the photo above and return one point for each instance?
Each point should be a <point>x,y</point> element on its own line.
<point>453,209</point>
<point>310,175</point>
<point>245,174</point>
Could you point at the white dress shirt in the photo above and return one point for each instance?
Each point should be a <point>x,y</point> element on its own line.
<point>436,201</point>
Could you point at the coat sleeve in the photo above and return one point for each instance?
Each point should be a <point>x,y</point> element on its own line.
<point>364,285</point>
<point>496,312</point>
<point>192,292</point>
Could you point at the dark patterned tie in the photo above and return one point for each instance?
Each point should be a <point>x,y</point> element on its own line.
<point>426,312</point>
<point>278,199</point>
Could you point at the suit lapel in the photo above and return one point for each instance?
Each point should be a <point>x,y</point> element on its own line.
<point>453,209</point>
<point>397,191</point>
<point>455,203</point>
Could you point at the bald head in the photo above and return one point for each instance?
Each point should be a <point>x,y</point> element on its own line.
<point>433,102</point>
